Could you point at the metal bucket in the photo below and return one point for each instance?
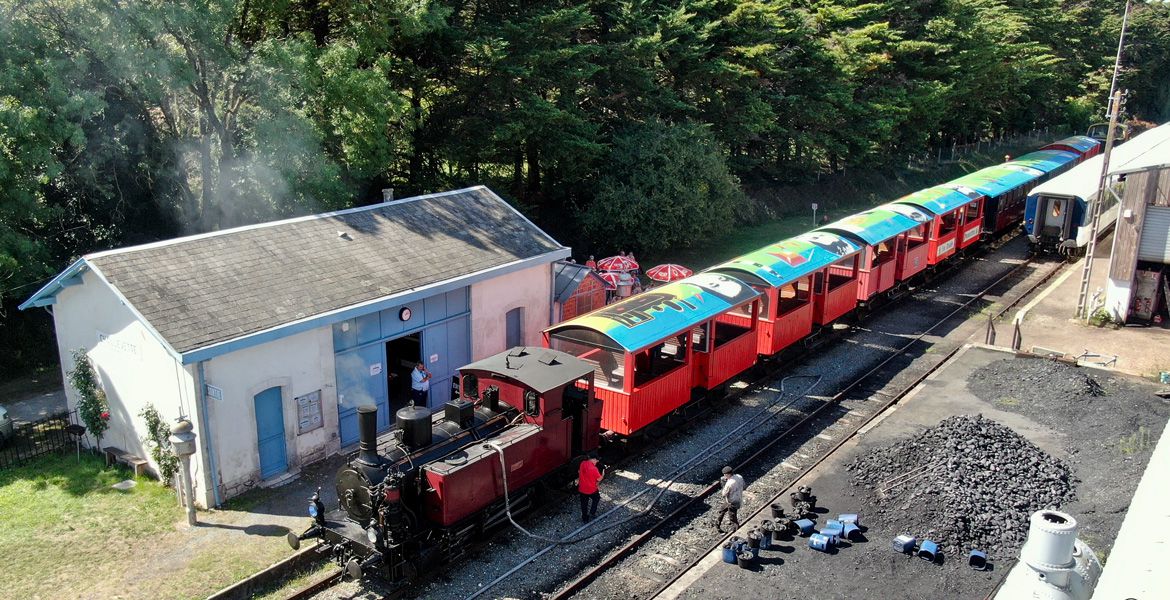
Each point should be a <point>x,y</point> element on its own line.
<point>820,542</point>
<point>729,553</point>
<point>928,551</point>
<point>805,526</point>
<point>745,559</point>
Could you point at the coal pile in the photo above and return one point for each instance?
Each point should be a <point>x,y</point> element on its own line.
<point>1035,381</point>
<point>968,482</point>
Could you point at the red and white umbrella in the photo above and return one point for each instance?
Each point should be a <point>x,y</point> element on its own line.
<point>668,272</point>
<point>611,280</point>
<point>617,263</point>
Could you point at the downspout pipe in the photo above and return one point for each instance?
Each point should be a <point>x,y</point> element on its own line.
<point>207,447</point>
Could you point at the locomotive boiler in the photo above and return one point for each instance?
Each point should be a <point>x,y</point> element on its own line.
<point>417,496</point>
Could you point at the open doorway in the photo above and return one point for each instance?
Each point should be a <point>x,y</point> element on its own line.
<point>401,355</point>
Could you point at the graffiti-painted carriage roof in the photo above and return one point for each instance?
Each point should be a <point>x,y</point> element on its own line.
<point>874,225</point>
<point>790,259</point>
<point>1082,143</point>
<point>1045,160</point>
<point>652,316</point>
<point>940,199</point>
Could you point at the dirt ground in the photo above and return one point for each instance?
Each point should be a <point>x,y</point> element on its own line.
<point>33,397</point>
<point>1107,443</point>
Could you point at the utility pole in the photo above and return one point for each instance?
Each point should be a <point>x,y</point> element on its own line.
<point>1083,309</point>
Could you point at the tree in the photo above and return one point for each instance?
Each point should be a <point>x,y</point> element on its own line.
<point>665,186</point>
<point>91,398</point>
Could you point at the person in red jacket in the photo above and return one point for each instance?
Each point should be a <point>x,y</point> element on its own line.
<point>588,476</point>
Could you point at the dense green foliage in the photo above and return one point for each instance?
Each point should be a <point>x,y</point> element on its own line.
<point>158,441</point>
<point>123,121</point>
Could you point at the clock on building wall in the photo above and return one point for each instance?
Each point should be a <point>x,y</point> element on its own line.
<point>404,314</point>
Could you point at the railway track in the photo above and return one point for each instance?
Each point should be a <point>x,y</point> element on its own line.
<point>814,412</point>
<point>826,426</point>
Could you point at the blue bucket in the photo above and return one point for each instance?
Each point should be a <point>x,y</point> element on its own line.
<point>766,543</point>
<point>729,553</point>
<point>928,551</point>
<point>833,532</point>
<point>851,532</point>
<point>977,560</point>
<point>820,542</point>
<point>848,518</point>
<point>904,543</point>
<point>805,526</point>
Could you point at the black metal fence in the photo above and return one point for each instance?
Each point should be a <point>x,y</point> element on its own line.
<point>38,438</point>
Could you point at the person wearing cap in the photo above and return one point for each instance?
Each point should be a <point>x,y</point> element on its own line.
<point>732,493</point>
<point>588,476</point>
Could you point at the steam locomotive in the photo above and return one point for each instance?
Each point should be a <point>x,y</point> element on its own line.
<point>438,481</point>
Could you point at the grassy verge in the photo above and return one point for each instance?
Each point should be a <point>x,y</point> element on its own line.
<point>65,528</point>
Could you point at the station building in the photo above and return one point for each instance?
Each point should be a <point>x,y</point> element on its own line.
<point>268,337</point>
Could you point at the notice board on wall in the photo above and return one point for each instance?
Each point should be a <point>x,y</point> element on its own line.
<point>309,412</point>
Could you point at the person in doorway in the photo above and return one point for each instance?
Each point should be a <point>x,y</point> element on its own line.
<point>732,494</point>
<point>591,263</point>
<point>420,382</point>
<point>588,476</point>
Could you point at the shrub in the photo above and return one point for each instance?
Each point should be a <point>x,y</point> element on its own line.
<point>91,404</point>
<point>158,440</point>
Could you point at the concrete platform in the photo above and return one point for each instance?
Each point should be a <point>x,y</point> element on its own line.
<point>870,569</point>
<point>1047,322</point>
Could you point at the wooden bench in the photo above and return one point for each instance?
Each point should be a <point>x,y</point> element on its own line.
<point>137,464</point>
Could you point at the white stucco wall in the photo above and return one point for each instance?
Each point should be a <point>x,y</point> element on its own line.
<point>1117,298</point>
<point>299,365</point>
<point>491,300</point>
<point>134,368</point>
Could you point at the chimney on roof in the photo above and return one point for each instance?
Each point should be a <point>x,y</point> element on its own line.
<point>387,194</point>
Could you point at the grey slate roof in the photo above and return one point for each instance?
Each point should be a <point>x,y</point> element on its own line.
<point>202,290</point>
<point>541,369</point>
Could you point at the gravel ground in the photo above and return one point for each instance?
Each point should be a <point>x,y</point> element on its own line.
<point>1105,438</point>
<point>835,364</point>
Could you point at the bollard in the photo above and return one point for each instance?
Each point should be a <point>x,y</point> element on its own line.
<point>977,560</point>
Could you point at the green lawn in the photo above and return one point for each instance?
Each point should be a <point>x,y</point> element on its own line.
<point>65,528</point>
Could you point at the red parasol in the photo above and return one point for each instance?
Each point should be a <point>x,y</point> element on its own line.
<point>668,272</point>
<point>617,263</point>
<point>611,280</point>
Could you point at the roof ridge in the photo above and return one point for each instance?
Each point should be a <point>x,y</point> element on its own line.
<point>266,224</point>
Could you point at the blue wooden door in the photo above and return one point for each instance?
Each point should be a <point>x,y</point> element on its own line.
<point>360,381</point>
<point>270,432</point>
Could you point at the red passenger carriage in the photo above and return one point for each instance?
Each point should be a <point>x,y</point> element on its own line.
<point>650,350</point>
<point>1082,145</point>
<point>807,280</point>
<point>885,235</point>
<point>956,218</point>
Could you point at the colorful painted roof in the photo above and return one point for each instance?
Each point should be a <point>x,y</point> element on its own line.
<point>790,259</point>
<point>1083,143</point>
<point>941,199</point>
<point>997,180</point>
<point>1045,160</point>
<point>908,210</point>
<point>654,315</point>
<point>874,225</point>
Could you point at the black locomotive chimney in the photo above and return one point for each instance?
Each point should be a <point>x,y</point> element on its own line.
<point>368,429</point>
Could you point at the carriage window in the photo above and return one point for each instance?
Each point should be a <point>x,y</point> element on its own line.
<point>725,332</point>
<point>972,211</point>
<point>701,337</point>
<point>883,253</point>
<point>609,365</point>
<point>743,310</point>
<point>1057,205</point>
<point>842,272</point>
<point>531,403</point>
<point>658,360</point>
<point>792,296</point>
<point>917,236</point>
<point>948,224</point>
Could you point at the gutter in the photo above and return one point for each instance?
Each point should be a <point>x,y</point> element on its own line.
<point>207,446</point>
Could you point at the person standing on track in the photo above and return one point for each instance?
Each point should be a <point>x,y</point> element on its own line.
<point>732,494</point>
<point>588,476</point>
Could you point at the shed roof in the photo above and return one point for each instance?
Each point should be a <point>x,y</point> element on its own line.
<point>874,225</point>
<point>568,277</point>
<point>206,290</point>
<point>788,260</point>
<point>940,199</point>
<point>1084,180</point>
<point>654,315</point>
<point>541,369</point>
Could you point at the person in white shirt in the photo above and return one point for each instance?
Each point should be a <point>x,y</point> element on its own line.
<point>420,382</point>
<point>732,494</point>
